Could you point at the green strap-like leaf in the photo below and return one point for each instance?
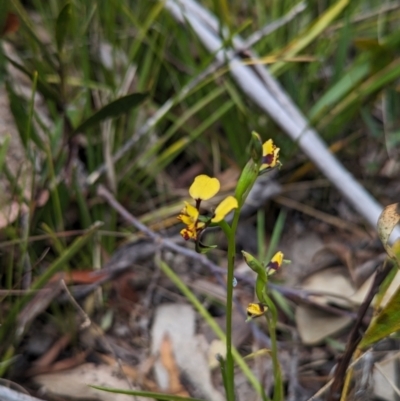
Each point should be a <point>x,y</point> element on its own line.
<point>147,394</point>
<point>113,109</point>
<point>62,25</point>
<point>386,323</point>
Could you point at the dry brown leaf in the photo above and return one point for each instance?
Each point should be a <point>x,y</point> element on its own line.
<point>168,360</point>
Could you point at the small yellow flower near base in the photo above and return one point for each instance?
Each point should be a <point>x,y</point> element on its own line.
<point>225,207</point>
<point>204,187</point>
<point>270,155</point>
<point>255,310</point>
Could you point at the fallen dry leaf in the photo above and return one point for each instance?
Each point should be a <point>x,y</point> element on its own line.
<point>168,361</point>
<point>385,376</point>
<point>315,325</point>
<point>178,322</point>
<point>334,285</point>
<point>75,383</point>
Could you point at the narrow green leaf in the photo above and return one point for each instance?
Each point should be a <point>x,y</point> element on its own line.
<point>147,394</point>
<point>3,150</point>
<point>47,91</point>
<point>20,114</point>
<point>4,6</point>
<point>386,323</point>
<point>113,109</point>
<point>62,25</point>
<point>314,30</point>
<point>341,88</point>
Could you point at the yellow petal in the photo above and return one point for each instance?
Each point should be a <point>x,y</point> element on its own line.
<point>268,147</point>
<point>204,187</point>
<point>226,206</point>
<point>276,262</point>
<point>185,219</point>
<point>270,155</point>
<point>190,211</point>
<point>189,214</point>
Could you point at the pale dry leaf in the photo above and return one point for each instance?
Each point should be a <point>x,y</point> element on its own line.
<point>75,383</point>
<point>315,325</point>
<point>359,296</point>
<point>178,321</point>
<point>217,347</point>
<point>385,375</point>
<point>333,284</point>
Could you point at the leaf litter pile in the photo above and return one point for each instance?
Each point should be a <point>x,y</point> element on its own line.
<point>99,290</point>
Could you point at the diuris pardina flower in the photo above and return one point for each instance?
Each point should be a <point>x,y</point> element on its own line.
<point>270,156</point>
<point>275,263</point>
<point>203,188</point>
<point>255,309</point>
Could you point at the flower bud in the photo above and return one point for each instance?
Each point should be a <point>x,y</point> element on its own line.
<point>251,169</point>
<point>252,262</point>
<point>256,148</point>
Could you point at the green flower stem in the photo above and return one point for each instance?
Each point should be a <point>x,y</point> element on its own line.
<point>230,235</point>
<point>261,289</point>
<point>272,318</point>
<point>213,324</point>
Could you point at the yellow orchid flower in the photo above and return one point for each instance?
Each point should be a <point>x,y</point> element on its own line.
<point>256,310</point>
<point>204,187</point>
<point>270,155</point>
